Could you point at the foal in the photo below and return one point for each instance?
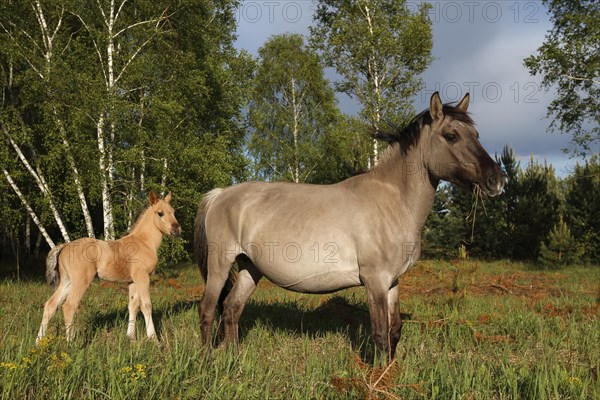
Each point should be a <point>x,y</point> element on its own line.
<point>130,259</point>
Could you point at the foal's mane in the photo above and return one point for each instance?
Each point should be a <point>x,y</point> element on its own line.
<point>408,136</point>
<point>138,218</point>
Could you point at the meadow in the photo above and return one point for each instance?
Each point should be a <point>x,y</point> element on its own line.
<point>471,331</point>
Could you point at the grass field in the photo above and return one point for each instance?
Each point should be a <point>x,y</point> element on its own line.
<point>471,331</point>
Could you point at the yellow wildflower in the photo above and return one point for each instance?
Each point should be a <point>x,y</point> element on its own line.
<point>8,365</point>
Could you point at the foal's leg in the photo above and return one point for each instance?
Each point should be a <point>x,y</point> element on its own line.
<point>377,297</point>
<point>52,304</point>
<point>394,319</point>
<point>79,285</point>
<point>134,308</point>
<point>245,284</point>
<point>142,285</point>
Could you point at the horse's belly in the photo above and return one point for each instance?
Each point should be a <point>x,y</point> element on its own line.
<point>311,278</point>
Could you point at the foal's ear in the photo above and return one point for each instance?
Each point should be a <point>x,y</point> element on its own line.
<point>435,107</point>
<point>464,103</point>
<point>152,198</point>
<point>168,197</point>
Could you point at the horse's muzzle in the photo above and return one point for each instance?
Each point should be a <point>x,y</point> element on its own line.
<point>494,184</point>
<point>176,230</point>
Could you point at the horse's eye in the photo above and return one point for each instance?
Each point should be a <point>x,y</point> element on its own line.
<point>450,137</point>
<point>160,214</point>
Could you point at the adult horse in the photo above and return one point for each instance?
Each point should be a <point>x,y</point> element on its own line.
<point>322,238</point>
<point>130,259</point>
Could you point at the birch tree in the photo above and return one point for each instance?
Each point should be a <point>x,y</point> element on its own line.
<point>104,100</point>
<point>118,42</point>
<point>379,48</point>
<point>292,109</point>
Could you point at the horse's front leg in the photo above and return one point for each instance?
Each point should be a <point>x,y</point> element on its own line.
<point>394,318</point>
<point>141,281</point>
<point>134,308</point>
<point>377,297</point>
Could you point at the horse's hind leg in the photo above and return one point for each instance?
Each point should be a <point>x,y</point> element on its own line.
<point>52,304</point>
<point>78,289</point>
<point>134,308</point>
<point>214,285</point>
<point>244,286</point>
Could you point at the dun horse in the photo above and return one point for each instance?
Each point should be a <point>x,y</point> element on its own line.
<point>130,259</point>
<point>322,238</point>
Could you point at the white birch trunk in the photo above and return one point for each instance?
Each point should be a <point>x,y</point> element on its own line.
<point>107,214</point>
<point>32,214</point>
<point>296,161</point>
<point>41,183</point>
<point>163,180</point>
<point>48,39</point>
<point>374,74</point>
<point>143,173</point>
<point>77,180</point>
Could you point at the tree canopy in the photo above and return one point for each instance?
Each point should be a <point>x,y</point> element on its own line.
<point>569,61</point>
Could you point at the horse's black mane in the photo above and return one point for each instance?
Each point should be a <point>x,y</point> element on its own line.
<point>406,137</point>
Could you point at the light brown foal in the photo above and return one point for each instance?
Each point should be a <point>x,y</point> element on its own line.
<point>130,259</point>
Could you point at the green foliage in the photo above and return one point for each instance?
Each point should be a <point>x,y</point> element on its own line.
<point>170,116</point>
<point>538,217</point>
<point>582,208</point>
<point>344,151</point>
<point>172,252</point>
<point>292,111</point>
<point>380,48</point>
<point>569,60</point>
<point>560,249</point>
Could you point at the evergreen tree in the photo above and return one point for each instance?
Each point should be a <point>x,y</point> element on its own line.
<point>582,208</point>
<point>444,230</point>
<point>537,210</point>
<point>560,248</point>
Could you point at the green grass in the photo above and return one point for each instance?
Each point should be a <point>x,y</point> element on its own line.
<point>471,331</point>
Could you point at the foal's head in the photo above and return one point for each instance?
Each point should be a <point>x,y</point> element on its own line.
<point>163,215</point>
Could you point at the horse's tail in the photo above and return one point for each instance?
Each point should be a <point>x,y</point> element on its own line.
<point>52,275</point>
<point>201,244</point>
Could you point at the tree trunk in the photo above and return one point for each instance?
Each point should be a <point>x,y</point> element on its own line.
<point>295,161</point>
<point>107,213</point>
<point>374,75</point>
<point>34,217</point>
<point>41,183</point>
<point>76,177</point>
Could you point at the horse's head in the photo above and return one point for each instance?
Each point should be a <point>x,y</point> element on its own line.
<point>164,214</point>
<point>454,152</point>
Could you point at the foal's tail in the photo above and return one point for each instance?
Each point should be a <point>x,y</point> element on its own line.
<point>201,244</point>
<point>52,276</point>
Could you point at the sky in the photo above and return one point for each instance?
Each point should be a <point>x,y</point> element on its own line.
<point>479,47</point>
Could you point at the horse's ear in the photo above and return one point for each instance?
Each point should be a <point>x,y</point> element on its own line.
<point>464,103</point>
<point>435,107</point>
<point>152,199</point>
<point>168,197</point>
